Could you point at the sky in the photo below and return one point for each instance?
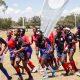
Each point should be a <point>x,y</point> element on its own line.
<point>30,8</point>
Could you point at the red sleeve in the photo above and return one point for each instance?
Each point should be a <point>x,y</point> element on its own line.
<point>51,38</point>
<point>26,39</point>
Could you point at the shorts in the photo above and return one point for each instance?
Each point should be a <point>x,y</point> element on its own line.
<point>28,51</point>
<point>51,56</point>
<point>61,54</point>
<point>46,56</point>
<point>21,55</point>
<point>42,51</point>
<point>72,50</point>
<point>12,58</point>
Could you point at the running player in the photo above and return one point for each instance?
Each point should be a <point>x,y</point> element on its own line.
<point>78,36</point>
<point>21,52</point>
<point>34,39</point>
<point>2,51</point>
<point>45,51</point>
<point>28,49</point>
<point>11,47</point>
<point>71,47</point>
<point>61,55</point>
<point>52,41</point>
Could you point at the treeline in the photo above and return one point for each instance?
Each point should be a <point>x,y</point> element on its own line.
<point>69,21</point>
<point>6,23</point>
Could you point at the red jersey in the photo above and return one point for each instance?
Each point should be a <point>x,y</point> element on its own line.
<point>26,39</point>
<point>52,37</point>
<point>11,43</point>
<point>34,38</point>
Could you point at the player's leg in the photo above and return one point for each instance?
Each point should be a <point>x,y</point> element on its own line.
<point>79,45</point>
<point>46,57</point>
<point>17,68</point>
<point>5,72</point>
<point>64,64</point>
<point>25,62</point>
<point>45,74</point>
<point>72,62</point>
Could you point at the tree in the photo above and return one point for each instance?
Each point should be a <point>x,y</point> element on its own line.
<point>20,21</point>
<point>5,23</point>
<point>67,21</point>
<point>35,21</point>
<point>2,3</point>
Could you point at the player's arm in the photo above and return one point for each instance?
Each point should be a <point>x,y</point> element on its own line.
<point>5,46</point>
<point>22,47</point>
<point>74,39</point>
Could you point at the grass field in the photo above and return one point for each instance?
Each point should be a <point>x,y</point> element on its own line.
<point>37,76</point>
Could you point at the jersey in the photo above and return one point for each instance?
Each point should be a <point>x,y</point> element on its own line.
<point>59,41</point>
<point>34,38</point>
<point>19,42</point>
<point>11,43</point>
<point>45,46</point>
<point>52,38</point>
<point>27,46</point>
<point>26,39</point>
<point>69,39</point>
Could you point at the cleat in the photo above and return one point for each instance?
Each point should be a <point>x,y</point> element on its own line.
<point>10,78</point>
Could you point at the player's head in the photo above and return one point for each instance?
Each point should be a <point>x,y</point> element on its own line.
<point>34,29</point>
<point>39,34</point>
<point>9,33</point>
<point>59,28</point>
<point>17,32</point>
<point>67,30</point>
<point>22,31</point>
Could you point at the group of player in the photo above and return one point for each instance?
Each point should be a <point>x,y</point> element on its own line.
<point>62,40</point>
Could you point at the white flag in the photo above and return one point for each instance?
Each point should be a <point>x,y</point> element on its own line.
<point>51,13</point>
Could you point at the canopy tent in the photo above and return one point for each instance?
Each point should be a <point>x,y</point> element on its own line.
<point>50,14</point>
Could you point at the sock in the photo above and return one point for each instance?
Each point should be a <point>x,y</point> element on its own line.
<point>45,72</point>
<point>58,61</point>
<point>50,68</point>
<point>18,72</point>
<point>39,60</point>
<point>66,67</point>
<point>73,65</point>
<point>5,72</point>
<point>54,59</point>
<point>28,71</point>
<point>31,64</point>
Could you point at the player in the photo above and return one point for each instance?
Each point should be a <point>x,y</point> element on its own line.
<point>2,51</point>
<point>71,47</point>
